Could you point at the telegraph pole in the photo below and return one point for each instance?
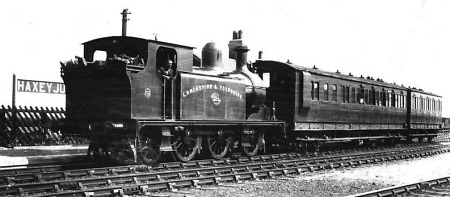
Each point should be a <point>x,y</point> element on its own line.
<point>124,21</point>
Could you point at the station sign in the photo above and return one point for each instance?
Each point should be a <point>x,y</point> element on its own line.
<point>23,85</point>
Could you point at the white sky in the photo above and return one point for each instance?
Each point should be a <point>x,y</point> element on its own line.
<point>405,41</point>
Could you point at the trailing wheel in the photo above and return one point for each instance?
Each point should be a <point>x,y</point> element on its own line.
<point>149,152</point>
<point>251,142</point>
<point>122,152</point>
<point>185,145</point>
<point>218,145</point>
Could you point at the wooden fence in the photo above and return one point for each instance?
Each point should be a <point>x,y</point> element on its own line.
<point>28,126</point>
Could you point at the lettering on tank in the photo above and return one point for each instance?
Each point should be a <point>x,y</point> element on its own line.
<point>222,88</point>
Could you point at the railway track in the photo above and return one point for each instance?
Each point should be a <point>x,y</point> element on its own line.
<point>40,170</point>
<point>434,187</point>
<point>142,179</point>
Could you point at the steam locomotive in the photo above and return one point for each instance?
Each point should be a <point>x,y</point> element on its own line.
<point>219,106</point>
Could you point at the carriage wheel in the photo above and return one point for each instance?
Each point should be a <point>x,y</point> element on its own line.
<point>218,145</point>
<point>301,146</point>
<point>185,145</point>
<point>420,139</point>
<point>149,152</point>
<point>409,139</point>
<point>251,142</point>
<point>318,146</point>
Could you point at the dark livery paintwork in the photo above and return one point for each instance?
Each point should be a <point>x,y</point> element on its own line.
<point>318,116</point>
<point>128,112</point>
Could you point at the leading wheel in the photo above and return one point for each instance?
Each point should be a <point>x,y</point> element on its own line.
<point>218,145</point>
<point>251,142</point>
<point>185,145</point>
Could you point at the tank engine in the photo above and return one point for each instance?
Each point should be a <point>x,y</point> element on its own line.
<point>132,115</point>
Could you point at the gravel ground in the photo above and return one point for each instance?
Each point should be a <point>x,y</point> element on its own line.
<point>338,182</point>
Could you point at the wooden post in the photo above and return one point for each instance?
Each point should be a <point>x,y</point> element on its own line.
<point>14,128</point>
<point>14,91</point>
<point>124,21</point>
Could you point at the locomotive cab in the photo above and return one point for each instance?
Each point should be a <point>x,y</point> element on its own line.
<point>121,87</point>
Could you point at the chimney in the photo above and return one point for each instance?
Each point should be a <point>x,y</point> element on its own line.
<point>235,35</point>
<point>241,58</point>
<point>237,41</point>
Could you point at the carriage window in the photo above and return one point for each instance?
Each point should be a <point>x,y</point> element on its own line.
<point>360,96</point>
<point>397,103</point>
<point>347,94</point>
<point>388,99</point>
<point>376,97</point>
<point>325,91</point>
<point>372,97</point>
<point>353,95</point>
<point>417,103</point>
<point>315,90</point>
<point>404,101</point>
<point>366,97</point>
<point>421,104</point>
<point>343,93</point>
<point>334,91</point>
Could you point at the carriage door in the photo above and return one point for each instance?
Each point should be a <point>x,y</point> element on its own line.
<point>282,93</point>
